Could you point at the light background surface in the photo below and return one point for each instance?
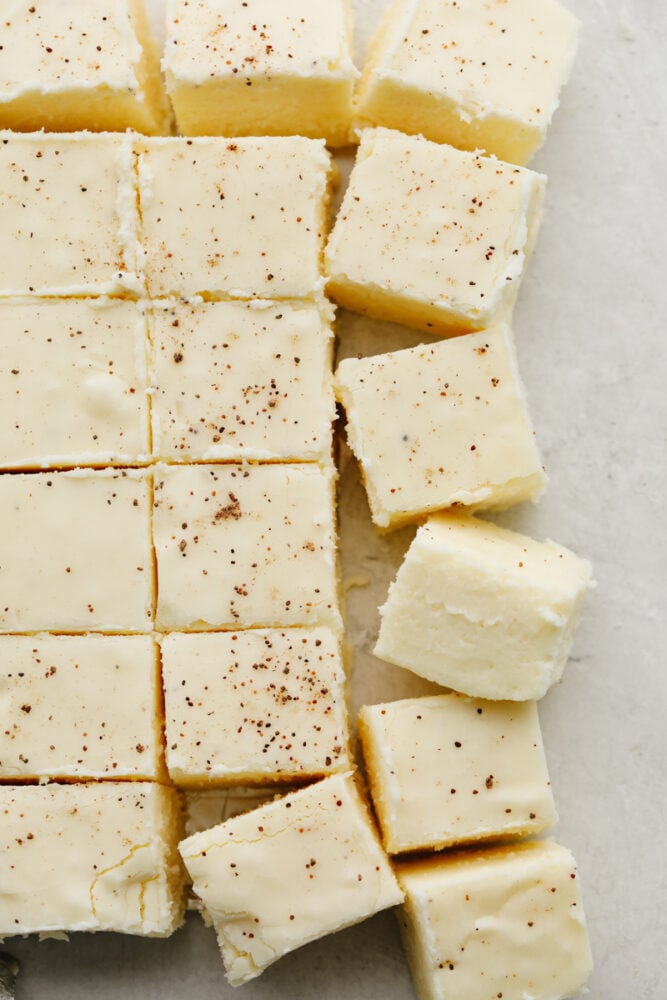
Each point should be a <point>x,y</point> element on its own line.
<point>590,329</point>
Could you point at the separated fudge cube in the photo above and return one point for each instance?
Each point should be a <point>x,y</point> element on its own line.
<point>306,865</point>
<point>68,67</point>
<point>240,546</point>
<point>68,215</point>
<point>80,707</point>
<point>449,769</point>
<point>75,552</point>
<point>95,856</point>
<point>258,706</point>
<point>431,236</point>
<point>441,425</point>
<point>73,383</point>
<point>504,923</point>
<point>266,67</point>
<point>483,610</point>
<point>242,380</point>
<point>252,226</point>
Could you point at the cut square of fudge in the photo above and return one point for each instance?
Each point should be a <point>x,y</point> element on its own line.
<point>503,923</point>
<point>245,545</point>
<point>252,226</point>
<point>95,856</point>
<point>440,425</point>
<point>242,380</point>
<point>303,866</point>
<point>67,67</point>
<point>449,769</point>
<point>73,383</point>
<point>266,67</point>
<point>483,610</point>
<point>75,552</point>
<point>258,706</point>
<point>478,75</point>
<point>68,215</point>
<point>432,236</point>
<point>80,707</point>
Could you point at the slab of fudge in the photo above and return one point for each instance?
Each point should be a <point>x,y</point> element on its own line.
<point>275,878</point>
<point>483,610</point>
<point>503,923</point>
<point>95,856</point>
<point>80,707</point>
<point>440,425</point>
<point>242,380</point>
<point>478,75</point>
<point>265,67</point>
<point>67,67</point>
<point>430,236</point>
<point>75,551</point>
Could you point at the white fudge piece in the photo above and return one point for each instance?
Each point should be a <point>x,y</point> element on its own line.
<point>73,383</point>
<point>265,67</point>
<point>242,380</point>
<point>95,856</point>
<point>252,226</point>
<point>449,769</point>
<point>75,553</point>
<point>245,545</point>
<point>80,707</point>
<point>68,215</point>
<point>303,866</point>
<point>483,610</point>
<point>431,236</point>
<point>440,425</point>
<point>485,74</point>
<point>504,923</point>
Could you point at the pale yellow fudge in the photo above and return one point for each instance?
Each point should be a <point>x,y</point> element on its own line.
<point>484,74</point>
<point>239,546</point>
<point>67,67</point>
<point>242,381</point>
<point>73,383</point>
<point>273,879</point>
<point>264,67</point>
<point>68,215</point>
<point>504,923</point>
<point>80,707</point>
<point>483,610</point>
<point>439,425</point>
<point>431,236</point>
<point>449,769</point>
<point>95,856</point>
<point>75,552</point>
<point>234,218</point>
<point>258,706</point>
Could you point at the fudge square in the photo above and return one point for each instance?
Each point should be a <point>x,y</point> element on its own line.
<point>503,923</point>
<point>67,67</point>
<point>73,383</point>
<point>258,706</point>
<point>239,546</point>
<point>431,236</point>
<point>91,856</point>
<point>478,75</point>
<point>67,215</point>
<point>440,425</point>
<point>75,552</point>
<point>449,769</point>
<point>242,380</point>
<point>483,610</point>
<point>252,226</point>
<point>266,67</point>
<point>80,707</point>
<point>303,866</point>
